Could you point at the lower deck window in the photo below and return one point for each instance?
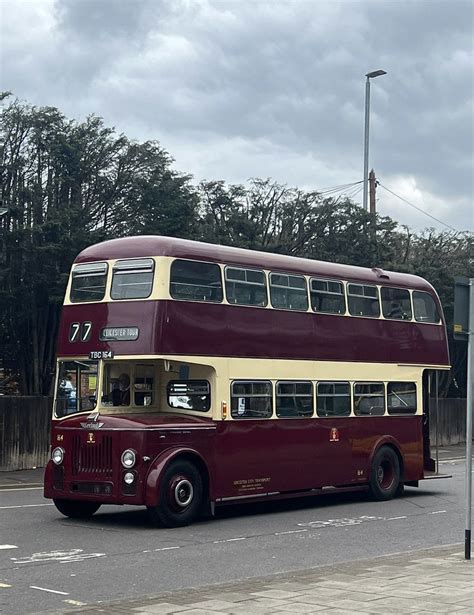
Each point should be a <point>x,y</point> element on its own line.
<point>294,399</point>
<point>189,395</point>
<point>333,399</point>
<point>401,398</point>
<point>369,399</point>
<point>128,384</point>
<point>251,400</point>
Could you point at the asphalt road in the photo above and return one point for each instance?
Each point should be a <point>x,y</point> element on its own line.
<point>50,563</point>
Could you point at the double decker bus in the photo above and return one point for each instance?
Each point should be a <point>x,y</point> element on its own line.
<point>192,375</point>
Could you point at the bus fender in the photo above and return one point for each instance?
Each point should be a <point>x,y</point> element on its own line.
<point>390,441</point>
<point>157,467</point>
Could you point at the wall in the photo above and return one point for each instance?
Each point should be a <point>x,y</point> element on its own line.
<point>24,432</point>
<point>24,429</point>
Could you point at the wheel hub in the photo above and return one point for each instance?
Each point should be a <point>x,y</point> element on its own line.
<point>183,492</point>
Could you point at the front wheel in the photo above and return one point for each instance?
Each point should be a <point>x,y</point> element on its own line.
<point>181,494</point>
<point>384,481</point>
<point>75,509</point>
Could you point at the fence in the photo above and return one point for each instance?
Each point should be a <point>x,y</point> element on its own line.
<point>24,432</point>
<point>24,429</point>
<point>451,419</point>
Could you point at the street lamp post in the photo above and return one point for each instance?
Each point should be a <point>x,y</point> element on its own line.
<point>375,73</point>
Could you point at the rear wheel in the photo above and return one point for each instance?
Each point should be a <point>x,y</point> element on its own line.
<point>385,474</point>
<point>75,509</point>
<point>181,495</point>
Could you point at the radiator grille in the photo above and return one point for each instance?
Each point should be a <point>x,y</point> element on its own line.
<point>92,458</point>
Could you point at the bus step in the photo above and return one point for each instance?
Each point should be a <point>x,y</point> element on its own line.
<point>429,475</point>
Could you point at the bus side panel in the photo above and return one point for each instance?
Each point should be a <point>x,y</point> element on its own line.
<point>267,456</point>
<point>244,332</point>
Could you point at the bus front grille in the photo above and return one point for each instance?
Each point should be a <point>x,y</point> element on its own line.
<point>92,458</point>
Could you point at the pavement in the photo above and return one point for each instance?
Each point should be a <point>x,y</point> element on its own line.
<point>435,580</point>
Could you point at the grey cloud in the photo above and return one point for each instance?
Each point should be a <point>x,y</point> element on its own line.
<point>290,74</point>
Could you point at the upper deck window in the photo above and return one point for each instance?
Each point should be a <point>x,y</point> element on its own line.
<point>327,296</point>
<point>396,303</point>
<point>288,292</point>
<point>196,281</point>
<point>363,300</point>
<point>88,282</point>
<point>132,279</point>
<point>245,286</point>
<point>424,307</point>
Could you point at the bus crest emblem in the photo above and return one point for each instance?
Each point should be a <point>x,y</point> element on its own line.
<point>334,435</point>
<point>90,438</point>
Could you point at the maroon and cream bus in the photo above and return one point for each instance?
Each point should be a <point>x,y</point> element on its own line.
<point>193,375</point>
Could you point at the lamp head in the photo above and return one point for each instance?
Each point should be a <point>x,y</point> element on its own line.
<point>375,73</point>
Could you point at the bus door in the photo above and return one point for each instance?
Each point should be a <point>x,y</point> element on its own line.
<point>430,415</point>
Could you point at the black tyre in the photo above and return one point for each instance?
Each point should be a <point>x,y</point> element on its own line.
<point>181,496</point>
<point>384,481</point>
<point>76,509</point>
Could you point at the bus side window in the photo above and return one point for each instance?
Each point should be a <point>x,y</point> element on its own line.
<point>333,399</point>
<point>327,296</point>
<point>396,304</point>
<point>369,399</point>
<point>245,286</point>
<point>294,399</point>
<point>195,281</point>
<point>251,399</point>
<point>288,292</point>
<point>424,307</point>
<point>401,397</point>
<point>189,395</point>
<point>363,300</point>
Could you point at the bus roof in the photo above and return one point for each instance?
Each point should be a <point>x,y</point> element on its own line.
<point>155,245</point>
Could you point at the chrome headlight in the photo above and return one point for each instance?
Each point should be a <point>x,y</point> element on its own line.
<point>128,458</point>
<point>57,455</point>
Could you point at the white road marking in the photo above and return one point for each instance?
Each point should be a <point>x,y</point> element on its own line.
<point>25,506</point>
<point>52,591</point>
<point>290,532</point>
<point>396,518</point>
<point>4,585</point>
<point>437,512</point>
<point>63,557</point>
<point>75,602</point>
<point>8,547</point>
<point>167,548</point>
<point>229,540</point>
<point>21,488</point>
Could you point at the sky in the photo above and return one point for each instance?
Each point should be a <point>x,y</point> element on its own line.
<point>240,89</point>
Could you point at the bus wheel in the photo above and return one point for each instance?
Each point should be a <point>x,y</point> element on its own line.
<point>75,509</point>
<point>181,495</point>
<point>385,474</point>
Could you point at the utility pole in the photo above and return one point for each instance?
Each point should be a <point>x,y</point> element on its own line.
<point>372,186</point>
<point>375,73</point>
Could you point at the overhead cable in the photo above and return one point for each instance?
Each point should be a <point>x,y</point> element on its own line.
<point>418,208</point>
